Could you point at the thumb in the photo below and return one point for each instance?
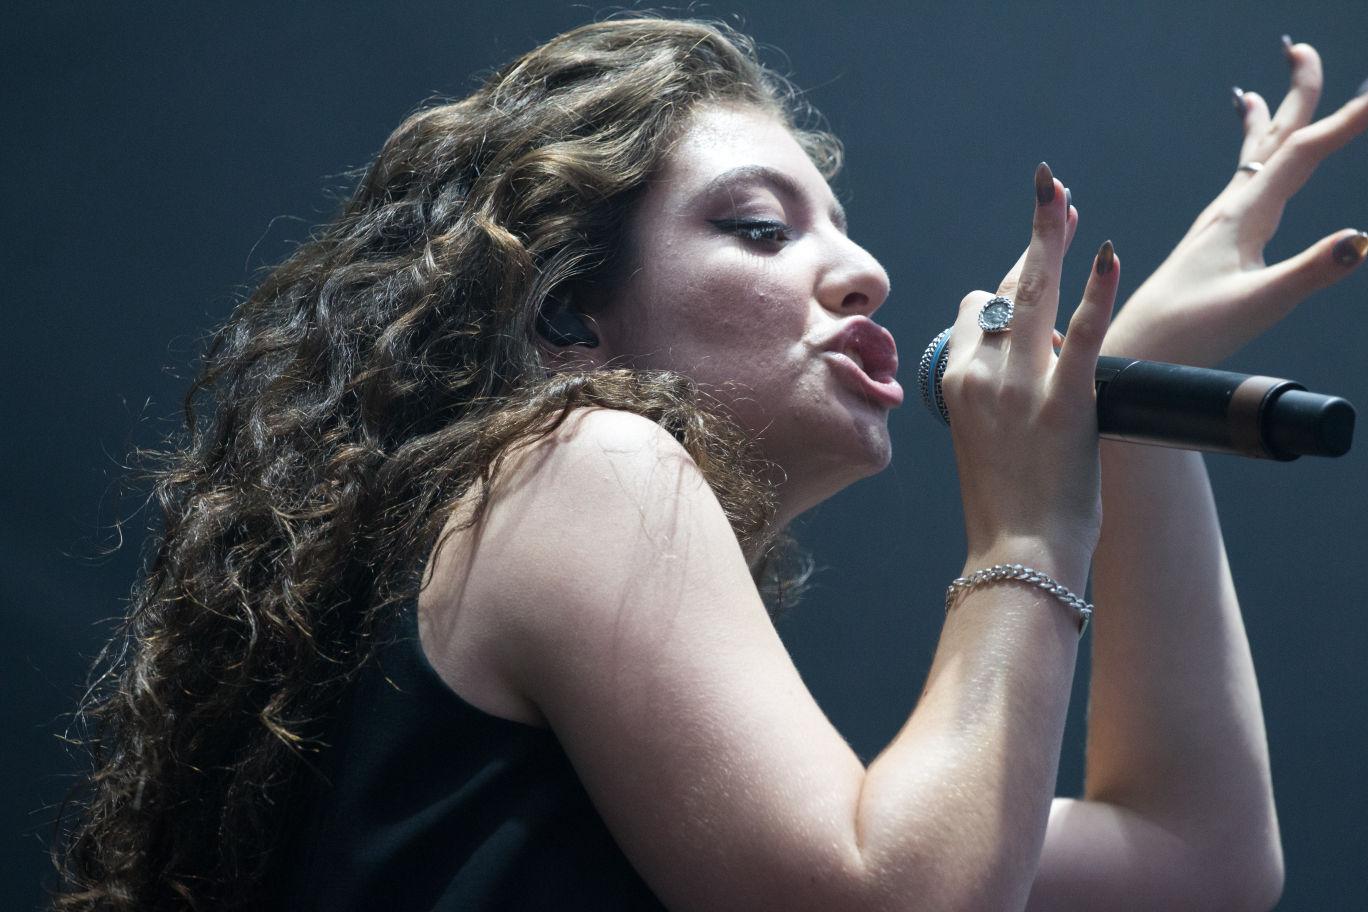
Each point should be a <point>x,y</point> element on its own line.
<point>1322,264</point>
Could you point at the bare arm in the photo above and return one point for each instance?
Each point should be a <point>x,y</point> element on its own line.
<point>1176,725</point>
<point>637,631</point>
<point>1179,810</point>
<point>1179,801</point>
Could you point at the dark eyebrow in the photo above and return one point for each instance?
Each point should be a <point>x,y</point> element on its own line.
<point>780,181</point>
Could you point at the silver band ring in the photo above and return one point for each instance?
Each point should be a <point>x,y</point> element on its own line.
<point>996,315</point>
<point>1252,167</point>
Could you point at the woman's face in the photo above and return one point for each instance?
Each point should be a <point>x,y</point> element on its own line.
<point>744,280</point>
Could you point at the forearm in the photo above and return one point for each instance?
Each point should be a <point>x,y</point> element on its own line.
<point>962,795</point>
<point>1175,727</point>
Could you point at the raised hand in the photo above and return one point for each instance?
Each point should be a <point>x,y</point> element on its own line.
<point>1025,420</point>
<point>1215,293</point>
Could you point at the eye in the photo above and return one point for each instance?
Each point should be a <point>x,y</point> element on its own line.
<point>755,229</point>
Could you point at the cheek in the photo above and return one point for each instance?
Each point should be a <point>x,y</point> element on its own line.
<point>752,310</point>
<point>716,314</point>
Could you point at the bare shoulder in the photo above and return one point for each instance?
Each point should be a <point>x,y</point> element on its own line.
<point>563,516</point>
<point>605,590</point>
<point>603,477</point>
<point>604,451</point>
<point>592,517</point>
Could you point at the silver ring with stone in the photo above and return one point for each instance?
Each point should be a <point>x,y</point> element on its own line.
<point>1252,167</point>
<point>996,315</point>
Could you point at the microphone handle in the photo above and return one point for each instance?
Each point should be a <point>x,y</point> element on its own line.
<point>1215,411</point>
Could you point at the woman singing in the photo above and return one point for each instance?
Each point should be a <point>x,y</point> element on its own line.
<point>464,594</point>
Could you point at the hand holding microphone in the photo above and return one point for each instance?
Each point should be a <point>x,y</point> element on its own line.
<point>1026,437</point>
<point>1191,407</point>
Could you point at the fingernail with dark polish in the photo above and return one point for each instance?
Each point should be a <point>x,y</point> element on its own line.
<point>1352,249</point>
<point>1044,184</point>
<point>1287,46</point>
<point>1237,98</point>
<point>1106,258</point>
<point>1362,90</point>
<point>1068,198</point>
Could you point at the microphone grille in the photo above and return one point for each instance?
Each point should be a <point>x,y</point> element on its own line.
<point>930,371</point>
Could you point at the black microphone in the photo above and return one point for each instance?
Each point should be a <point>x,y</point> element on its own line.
<point>1193,408</point>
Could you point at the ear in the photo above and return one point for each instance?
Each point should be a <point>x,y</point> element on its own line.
<point>560,324</point>
<point>567,338</point>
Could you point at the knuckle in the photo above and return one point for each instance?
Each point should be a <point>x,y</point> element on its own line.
<point>952,388</point>
<point>1058,417</point>
<point>1015,394</point>
<point>984,376</point>
<point>1082,329</point>
<point>978,377</point>
<point>1033,285</point>
<point>1086,325</point>
<point>1302,142</point>
<point>967,383</point>
<point>1225,214</point>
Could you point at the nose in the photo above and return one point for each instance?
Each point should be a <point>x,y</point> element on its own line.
<point>854,282</point>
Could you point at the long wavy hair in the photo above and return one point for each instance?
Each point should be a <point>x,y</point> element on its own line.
<point>370,382</point>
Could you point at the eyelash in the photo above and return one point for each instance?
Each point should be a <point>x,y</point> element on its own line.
<point>756,231</point>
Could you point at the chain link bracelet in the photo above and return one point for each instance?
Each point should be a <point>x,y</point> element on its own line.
<point>1017,572</point>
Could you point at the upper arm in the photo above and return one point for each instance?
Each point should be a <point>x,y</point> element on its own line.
<point>631,620</point>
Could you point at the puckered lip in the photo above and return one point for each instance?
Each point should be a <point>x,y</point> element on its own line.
<point>869,345</point>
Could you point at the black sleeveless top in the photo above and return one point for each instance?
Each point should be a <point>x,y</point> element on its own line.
<point>433,804</point>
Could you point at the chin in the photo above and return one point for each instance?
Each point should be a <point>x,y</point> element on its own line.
<point>876,451</point>
<point>836,453</point>
<point>863,436</point>
<point>825,441</point>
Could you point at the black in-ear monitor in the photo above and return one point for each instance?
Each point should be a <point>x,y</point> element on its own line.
<point>560,324</point>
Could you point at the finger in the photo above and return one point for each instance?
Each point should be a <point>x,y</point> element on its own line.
<point>1324,263</point>
<point>1036,289</point>
<point>1289,168</point>
<point>1077,366</point>
<point>1300,103</point>
<point>968,345</point>
<point>1013,276</point>
<point>1010,280</point>
<point>1057,338</point>
<point>1071,226</point>
<point>1254,111</point>
<point>1253,114</point>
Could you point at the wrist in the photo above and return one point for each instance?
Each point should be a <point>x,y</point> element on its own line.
<point>1023,575</point>
<point>1122,458</point>
<point>1065,560</point>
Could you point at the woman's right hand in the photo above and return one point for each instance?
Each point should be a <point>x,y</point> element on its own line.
<point>1023,419</point>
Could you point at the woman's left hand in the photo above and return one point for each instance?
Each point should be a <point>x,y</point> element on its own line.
<point>1215,293</point>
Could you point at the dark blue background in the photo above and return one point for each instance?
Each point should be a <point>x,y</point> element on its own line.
<point>156,155</point>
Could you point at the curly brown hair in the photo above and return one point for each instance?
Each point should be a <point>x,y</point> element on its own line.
<point>371,380</point>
